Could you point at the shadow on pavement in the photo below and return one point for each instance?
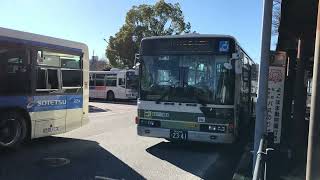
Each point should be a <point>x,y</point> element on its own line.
<point>83,160</point>
<point>193,158</point>
<point>94,109</point>
<point>124,102</point>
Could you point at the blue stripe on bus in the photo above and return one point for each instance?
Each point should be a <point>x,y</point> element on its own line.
<point>43,103</point>
<point>47,103</point>
<point>41,44</point>
<point>14,101</point>
<point>74,102</point>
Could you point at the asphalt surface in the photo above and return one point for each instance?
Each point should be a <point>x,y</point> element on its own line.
<point>108,148</point>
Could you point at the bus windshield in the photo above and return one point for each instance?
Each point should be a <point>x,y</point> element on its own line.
<point>132,80</point>
<point>187,78</point>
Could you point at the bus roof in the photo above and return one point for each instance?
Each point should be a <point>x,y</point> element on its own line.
<point>197,35</point>
<point>41,40</point>
<point>192,35</point>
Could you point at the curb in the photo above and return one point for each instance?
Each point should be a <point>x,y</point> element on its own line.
<point>244,167</point>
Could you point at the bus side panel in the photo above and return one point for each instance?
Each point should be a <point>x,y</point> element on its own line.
<point>52,119</point>
<point>14,101</point>
<point>74,119</point>
<point>74,112</point>
<point>45,127</point>
<point>48,115</point>
<point>46,118</point>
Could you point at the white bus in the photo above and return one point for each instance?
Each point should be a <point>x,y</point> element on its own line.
<point>113,84</point>
<point>44,86</point>
<point>194,87</point>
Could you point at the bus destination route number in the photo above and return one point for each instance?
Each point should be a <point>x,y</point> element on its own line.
<point>178,135</point>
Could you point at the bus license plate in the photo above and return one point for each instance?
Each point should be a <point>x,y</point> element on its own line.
<point>179,135</point>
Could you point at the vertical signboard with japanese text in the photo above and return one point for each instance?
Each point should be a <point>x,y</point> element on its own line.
<point>275,97</point>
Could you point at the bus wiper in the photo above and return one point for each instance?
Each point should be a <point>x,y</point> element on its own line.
<point>165,94</point>
<point>201,101</point>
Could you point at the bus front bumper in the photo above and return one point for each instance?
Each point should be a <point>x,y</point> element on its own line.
<point>131,96</point>
<point>192,135</point>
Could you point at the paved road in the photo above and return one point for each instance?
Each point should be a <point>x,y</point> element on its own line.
<point>108,148</point>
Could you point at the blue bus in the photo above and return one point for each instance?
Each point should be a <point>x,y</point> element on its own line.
<point>44,86</point>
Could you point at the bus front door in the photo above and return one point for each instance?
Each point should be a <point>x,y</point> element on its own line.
<point>49,106</point>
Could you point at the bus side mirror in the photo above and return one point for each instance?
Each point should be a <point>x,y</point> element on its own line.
<point>234,57</point>
<point>136,68</point>
<point>227,65</point>
<point>136,58</point>
<point>136,63</point>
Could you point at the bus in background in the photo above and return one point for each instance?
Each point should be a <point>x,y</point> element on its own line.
<point>194,87</point>
<point>113,84</point>
<point>44,86</point>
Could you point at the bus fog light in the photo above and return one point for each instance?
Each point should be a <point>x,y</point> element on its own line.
<point>149,123</point>
<point>212,128</point>
<point>213,137</point>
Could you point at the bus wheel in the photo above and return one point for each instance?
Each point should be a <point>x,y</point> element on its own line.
<point>13,129</point>
<point>110,96</point>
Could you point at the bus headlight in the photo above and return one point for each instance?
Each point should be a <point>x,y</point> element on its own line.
<point>212,127</point>
<point>215,128</point>
<point>221,129</point>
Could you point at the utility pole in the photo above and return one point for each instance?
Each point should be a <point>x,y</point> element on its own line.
<point>261,107</point>
<point>94,62</point>
<point>312,171</point>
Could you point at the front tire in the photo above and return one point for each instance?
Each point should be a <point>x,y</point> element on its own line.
<point>110,96</point>
<point>13,129</point>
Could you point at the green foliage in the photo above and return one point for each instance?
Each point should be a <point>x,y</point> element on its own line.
<point>144,21</point>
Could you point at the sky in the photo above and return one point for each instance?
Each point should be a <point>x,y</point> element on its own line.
<point>90,21</point>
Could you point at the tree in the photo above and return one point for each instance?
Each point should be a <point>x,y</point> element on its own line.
<point>144,21</point>
<point>99,65</point>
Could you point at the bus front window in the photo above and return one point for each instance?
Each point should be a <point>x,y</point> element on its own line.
<point>131,80</point>
<point>187,78</point>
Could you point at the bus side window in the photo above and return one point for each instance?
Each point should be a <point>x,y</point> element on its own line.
<point>14,75</point>
<point>99,82</point>
<point>72,78</point>
<point>121,82</point>
<point>111,82</point>
<point>41,78</point>
<point>92,80</point>
<point>100,78</point>
<point>53,82</point>
<point>47,79</point>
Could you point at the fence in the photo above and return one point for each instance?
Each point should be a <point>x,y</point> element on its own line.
<point>263,169</point>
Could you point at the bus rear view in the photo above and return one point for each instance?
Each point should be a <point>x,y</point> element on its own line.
<point>193,88</point>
